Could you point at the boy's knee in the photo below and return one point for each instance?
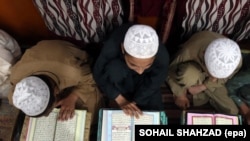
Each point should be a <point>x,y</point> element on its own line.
<point>200,99</point>
<point>234,110</point>
<point>227,108</point>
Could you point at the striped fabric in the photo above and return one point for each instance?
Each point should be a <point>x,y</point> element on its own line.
<point>85,20</point>
<point>228,17</point>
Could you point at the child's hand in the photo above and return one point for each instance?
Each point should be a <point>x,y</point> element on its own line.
<point>182,101</point>
<point>67,105</point>
<point>131,109</point>
<point>196,89</point>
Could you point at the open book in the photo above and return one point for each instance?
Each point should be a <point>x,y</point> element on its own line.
<point>192,118</point>
<point>114,125</point>
<point>50,129</point>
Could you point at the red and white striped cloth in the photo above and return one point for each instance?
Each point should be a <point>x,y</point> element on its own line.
<point>85,20</point>
<point>228,17</point>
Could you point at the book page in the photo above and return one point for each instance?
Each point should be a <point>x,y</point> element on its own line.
<point>222,119</point>
<point>116,125</point>
<point>43,128</point>
<point>121,127</point>
<point>149,118</point>
<point>65,131</point>
<point>72,129</point>
<point>87,128</point>
<point>199,119</point>
<point>50,129</point>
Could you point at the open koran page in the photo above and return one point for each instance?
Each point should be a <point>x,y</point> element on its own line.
<point>211,119</point>
<point>221,119</point>
<point>50,129</point>
<point>117,126</point>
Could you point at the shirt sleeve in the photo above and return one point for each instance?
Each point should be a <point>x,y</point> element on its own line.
<point>176,89</point>
<point>109,52</point>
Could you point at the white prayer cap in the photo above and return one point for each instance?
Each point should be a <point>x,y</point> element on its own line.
<point>31,95</point>
<point>141,41</point>
<point>9,48</point>
<point>222,57</point>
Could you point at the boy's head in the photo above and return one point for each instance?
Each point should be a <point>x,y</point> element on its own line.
<point>140,46</point>
<point>141,41</point>
<point>34,95</point>
<point>222,57</point>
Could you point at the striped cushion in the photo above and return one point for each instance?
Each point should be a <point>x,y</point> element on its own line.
<point>86,20</point>
<point>228,17</point>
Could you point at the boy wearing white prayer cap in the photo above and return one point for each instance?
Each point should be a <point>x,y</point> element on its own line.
<point>131,68</point>
<point>54,73</point>
<point>217,59</point>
